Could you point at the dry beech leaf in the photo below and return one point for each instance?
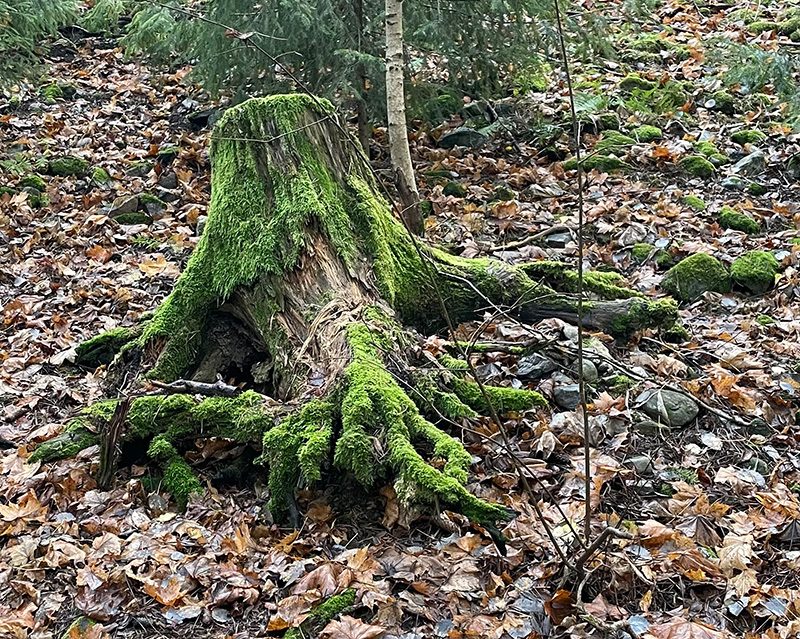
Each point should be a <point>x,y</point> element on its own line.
<point>351,628</point>
<point>683,629</point>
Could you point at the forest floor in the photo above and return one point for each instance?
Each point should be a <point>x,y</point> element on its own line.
<point>712,506</point>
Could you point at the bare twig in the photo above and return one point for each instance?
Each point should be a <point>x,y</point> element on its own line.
<point>190,387</point>
<point>531,239</point>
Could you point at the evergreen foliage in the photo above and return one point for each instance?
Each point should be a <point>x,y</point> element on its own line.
<point>23,24</point>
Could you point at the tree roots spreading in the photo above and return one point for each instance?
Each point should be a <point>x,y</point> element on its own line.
<point>305,281</point>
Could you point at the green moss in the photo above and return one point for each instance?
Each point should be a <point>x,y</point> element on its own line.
<point>695,275</point>
<point>748,137</point>
<point>373,399</point>
<point>604,284</point>
<point>74,439</point>
<point>761,26</point>
<point>100,175</point>
<point>697,166</point>
<point>7,190</point>
<point>613,141</point>
<point>675,334</point>
<point>68,165</point>
<point>694,202</point>
<point>650,43</point>
<point>620,384</point>
<point>664,259</point>
<point>169,153</point>
<point>51,93</point>
<point>504,400</point>
<point>642,251</point>
<point>634,82</point>
<point>765,320</point>
<point>609,121</point>
<point>149,198</point>
<point>130,219</point>
<point>745,16</point>
<point>455,189</point>
<point>647,133</point>
<point>711,151</point>
<point>78,628</point>
<point>33,181</point>
<point>731,219</point>
<point>644,313</point>
<point>755,271</point>
<point>754,188</point>
<point>297,449</point>
<point>724,102</point>
<point>101,349</point>
<point>670,97</point>
<point>599,162</point>
<point>179,478</point>
<point>322,615</point>
<point>787,27</point>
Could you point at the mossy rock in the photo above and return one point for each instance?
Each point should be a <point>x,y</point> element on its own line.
<point>36,198</point>
<point>609,121</point>
<point>139,169</point>
<point>762,25</point>
<point>7,190</point>
<point>730,218</point>
<point>787,27</point>
<point>710,150</point>
<point>635,82</point>
<point>670,97</point>
<point>695,275</point>
<point>456,189</point>
<point>33,181</point>
<point>754,188</point>
<point>130,219</point>
<point>664,260</point>
<point>149,198</point>
<point>613,141</point>
<point>724,102</point>
<point>647,133</point>
<point>68,165</point>
<point>694,202</point>
<point>642,251</point>
<point>168,154</point>
<point>745,16</point>
<point>697,166</point>
<point>100,175</point>
<point>750,136</point>
<point>599,162</point>
<point>755,271</point>
<point>51,93</point>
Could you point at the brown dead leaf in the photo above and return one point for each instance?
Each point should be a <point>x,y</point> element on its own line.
<point>736,553</point>
<point>99,254</point>
<point>679,628</point>
<point>391,513</point>
<point>351,628</point>
<point>560,606</point>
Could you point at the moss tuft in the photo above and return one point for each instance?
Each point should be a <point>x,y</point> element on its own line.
<point>724,102</point>
<point>456,189</point>
<point>642,251</point>
<point>755,271</point>
<point>322,615</point>
<point>101,349</point>
<point>51,93</point>
<point>634,82</point>
<point>100,175</point>
<point>599,162</point>
<point>730,218</point>
<point>756,189</point>
<point>697,166</point>
<point>69,443</point>
<point>751,136</point>
<point>694,202</point>
<point>647,133</point>
<point>762,25</point>
<point>129,219</point>
<point>34,182</point>
<point>69,165</point>
<point>710,150</point>
<point>695,275</point>
<point>664,259</point>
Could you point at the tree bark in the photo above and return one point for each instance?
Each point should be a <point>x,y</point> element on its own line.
<point>396,114</point>
<point>300,291</point>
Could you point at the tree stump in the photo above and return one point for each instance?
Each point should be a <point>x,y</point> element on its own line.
<point>303,288</point>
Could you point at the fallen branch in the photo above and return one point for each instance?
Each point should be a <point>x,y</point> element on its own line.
<point>189,387</point>
<point>531,239</point>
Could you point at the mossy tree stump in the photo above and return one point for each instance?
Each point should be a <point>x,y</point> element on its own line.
<point>301,288</point>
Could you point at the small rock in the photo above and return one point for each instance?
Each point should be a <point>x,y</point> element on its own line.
<point>463,136</point>
<point>734,183</point>
<point>168,180</point>
<point>534,366</point>
<point>124,204</point>
<point>668,407</point>
<point>201,224</point>
<point>157,505</point>
<point>167,195</point>
<point>752,164</point>
<point>642,464</point>
<point>558,240</point>
<point>567,397</point>
<point>650,428</point>
<point>590,373</point>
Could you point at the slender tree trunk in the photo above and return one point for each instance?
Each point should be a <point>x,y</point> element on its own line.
<point>361,77</point>
<point>396,112</point>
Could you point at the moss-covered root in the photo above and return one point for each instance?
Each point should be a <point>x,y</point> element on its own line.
<point>69,443</point>
<point>101,349</point>
<point>322,615</point>
<point>603,284</point>
<point>376,409</point>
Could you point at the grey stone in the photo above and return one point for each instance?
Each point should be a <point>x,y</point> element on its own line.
<point>752,164</point>
<point>166,195</point>
<point>589,371</point>
<point>125,204</point>
<point>463,136</point>
<point>567,397</point>
<point>201,224</point>
<point>534,366</point>
<point>649,427</point>
<point>642,464</point>
<point>558,240</point>
<point>169,180</point>
<point>668,407</point>
<point>734,183</point>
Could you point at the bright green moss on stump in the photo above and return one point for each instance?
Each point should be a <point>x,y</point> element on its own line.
<point>730,218</point>
<point>695,275</point>
<point>697,166</point>
<point>755,271</point>
<point>102,348</point>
